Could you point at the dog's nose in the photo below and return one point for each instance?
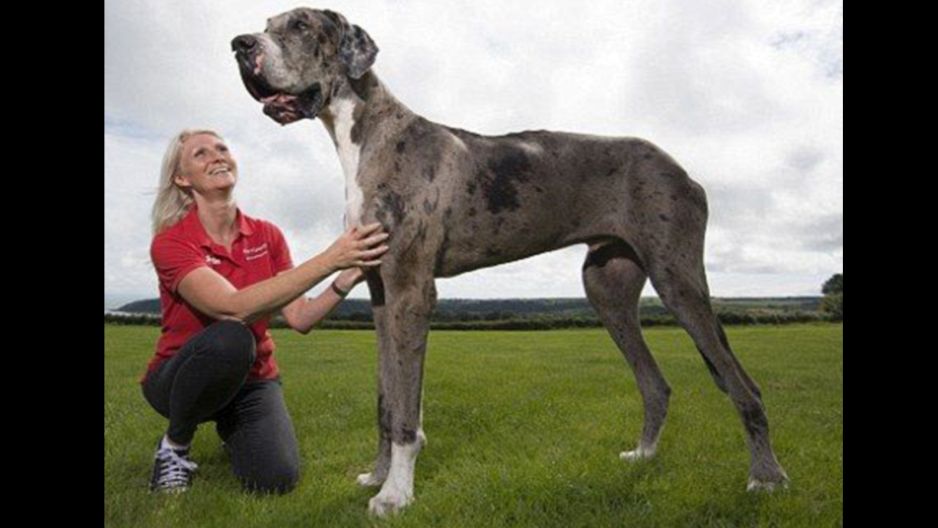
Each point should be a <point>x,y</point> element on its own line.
<point>243,43</point>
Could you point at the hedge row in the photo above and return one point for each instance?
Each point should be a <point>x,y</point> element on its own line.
<point>542,323</point>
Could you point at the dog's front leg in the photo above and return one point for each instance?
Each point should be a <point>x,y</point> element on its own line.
<point>383,460</point>
<point>405,324</point>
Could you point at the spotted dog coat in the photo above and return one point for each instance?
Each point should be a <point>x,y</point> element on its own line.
<point>455,201</point>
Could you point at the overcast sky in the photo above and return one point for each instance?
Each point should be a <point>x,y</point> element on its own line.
<point>746,95</point>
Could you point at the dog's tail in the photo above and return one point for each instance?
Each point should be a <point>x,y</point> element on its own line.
<point>721,383</point>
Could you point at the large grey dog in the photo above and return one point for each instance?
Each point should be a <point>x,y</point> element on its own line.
<point>455,201</point>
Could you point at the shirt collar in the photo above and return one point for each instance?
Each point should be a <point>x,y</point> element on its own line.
<point>244,224</point>
<point>192,224</point>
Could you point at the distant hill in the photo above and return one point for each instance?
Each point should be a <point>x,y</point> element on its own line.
<point>147,306</point>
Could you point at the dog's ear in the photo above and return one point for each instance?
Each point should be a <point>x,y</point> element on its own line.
<point>356,49</point>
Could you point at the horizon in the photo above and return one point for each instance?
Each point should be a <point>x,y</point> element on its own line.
<point>114,301</point>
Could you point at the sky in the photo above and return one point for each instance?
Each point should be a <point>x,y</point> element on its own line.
<point>746,95</point>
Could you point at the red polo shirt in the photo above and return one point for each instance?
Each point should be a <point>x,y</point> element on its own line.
<point>259,252</point>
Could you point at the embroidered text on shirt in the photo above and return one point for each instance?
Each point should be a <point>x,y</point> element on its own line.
<point>255,252</point>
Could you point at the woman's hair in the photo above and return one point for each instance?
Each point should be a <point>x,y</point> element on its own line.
<point>172,202</point>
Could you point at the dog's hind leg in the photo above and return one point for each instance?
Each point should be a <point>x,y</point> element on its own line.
<point>614,278</point>
<point>682,285</point>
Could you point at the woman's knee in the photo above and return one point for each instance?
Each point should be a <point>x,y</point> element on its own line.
<point>234,340</point>
<point>280,479</point>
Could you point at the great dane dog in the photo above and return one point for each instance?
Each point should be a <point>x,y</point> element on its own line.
<point>456,201</point>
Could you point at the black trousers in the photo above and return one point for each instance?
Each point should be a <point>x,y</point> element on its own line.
<point>205,381</point>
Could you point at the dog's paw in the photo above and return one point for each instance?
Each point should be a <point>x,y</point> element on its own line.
<point>369,480</point>
<point>767,477</point>
<point>384,504</point>
<point>756,485</point>
<point>639,453</point>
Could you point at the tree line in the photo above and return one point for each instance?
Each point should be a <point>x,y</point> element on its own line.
<point>547,314</point>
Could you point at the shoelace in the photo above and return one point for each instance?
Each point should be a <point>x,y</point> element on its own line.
<point>174,469</point>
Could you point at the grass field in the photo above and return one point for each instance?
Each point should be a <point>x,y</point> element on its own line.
<point>524,429</point>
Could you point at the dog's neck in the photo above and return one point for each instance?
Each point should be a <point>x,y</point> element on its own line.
<point>361,115</point>
<point>355,106</point>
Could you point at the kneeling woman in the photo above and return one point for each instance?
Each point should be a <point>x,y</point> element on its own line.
<point>221,275</point>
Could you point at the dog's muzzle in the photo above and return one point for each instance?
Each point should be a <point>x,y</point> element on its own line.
<point>280,106</point>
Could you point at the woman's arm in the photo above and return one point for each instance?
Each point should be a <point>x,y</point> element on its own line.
<point>304,313</point>
<point>213,295</point>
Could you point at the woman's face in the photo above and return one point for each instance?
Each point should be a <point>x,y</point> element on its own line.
<point>206,165</point>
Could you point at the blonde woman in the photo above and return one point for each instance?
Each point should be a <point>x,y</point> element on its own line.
<point>221,275</point>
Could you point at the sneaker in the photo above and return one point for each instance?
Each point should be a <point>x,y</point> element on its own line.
<point>172,470</point>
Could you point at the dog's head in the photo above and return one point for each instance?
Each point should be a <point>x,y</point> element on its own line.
<point>292,66</point>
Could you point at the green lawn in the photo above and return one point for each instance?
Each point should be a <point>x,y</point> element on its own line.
<point>524,429</point>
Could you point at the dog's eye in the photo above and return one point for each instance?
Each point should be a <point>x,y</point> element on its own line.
<point>299,25</point>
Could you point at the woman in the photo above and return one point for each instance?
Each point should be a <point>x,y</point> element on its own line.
<point>221,275</point>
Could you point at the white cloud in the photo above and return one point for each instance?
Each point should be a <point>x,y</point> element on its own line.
<point>747,96</point>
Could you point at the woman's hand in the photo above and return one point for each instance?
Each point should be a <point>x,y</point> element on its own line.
<point>350,278</point>
<point>358,247</point>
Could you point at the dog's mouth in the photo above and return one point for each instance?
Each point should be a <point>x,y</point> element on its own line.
<point>280,106</point>
<point>286,108</point>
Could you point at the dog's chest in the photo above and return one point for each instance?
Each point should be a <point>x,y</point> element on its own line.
<point>349,153</point>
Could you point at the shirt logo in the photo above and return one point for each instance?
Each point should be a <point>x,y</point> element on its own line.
<point>212,260</point>
<point>255,252</point>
